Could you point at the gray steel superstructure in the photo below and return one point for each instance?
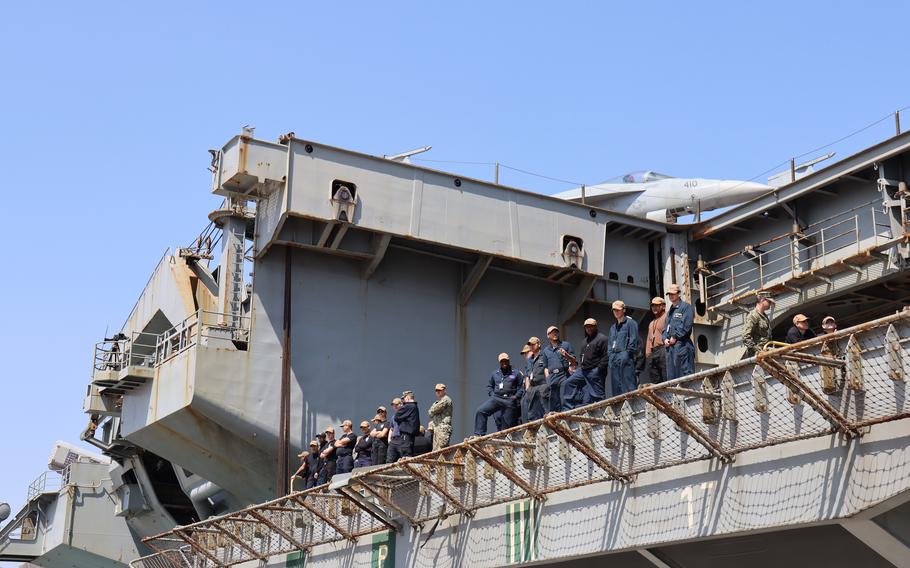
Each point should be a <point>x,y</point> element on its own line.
<point>344,279</point>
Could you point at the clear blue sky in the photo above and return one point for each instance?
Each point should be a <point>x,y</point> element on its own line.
<point>108,108</point>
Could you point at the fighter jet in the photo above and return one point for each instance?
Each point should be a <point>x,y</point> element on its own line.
<point>665,198</point>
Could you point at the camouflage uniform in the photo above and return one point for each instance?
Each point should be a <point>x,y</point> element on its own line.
<point>441,412</point>
<point>756,332</point>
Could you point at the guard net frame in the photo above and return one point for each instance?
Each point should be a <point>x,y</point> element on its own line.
<point>839,383</point>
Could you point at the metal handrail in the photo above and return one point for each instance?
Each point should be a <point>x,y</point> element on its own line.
<point>145,349</point>
<point>47,482</point>
<point>584,446</point>
<point>795,251</point>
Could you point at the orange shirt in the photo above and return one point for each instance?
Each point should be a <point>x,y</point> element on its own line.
<point>655,333</point>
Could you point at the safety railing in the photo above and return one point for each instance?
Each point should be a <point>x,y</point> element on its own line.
<point>48,482</point>
<point>839,383</point>
<point>199,325</point>
<point>145,349</point>
<point>830,242</point>
<point>136,349</point>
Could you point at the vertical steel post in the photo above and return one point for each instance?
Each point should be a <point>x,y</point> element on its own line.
<point>792,170</point>
<point>496,173</point>
<point>284,413</point>
<point>897,123</point>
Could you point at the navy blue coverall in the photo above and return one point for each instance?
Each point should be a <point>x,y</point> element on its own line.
<point>558,366</point>
<point>505,391</point>
<point>623,350</point>
<point>681,356</point>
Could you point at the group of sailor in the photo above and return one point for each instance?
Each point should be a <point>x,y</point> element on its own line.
<point>386,441</point>
<point>757,327</point>
<point>554,379</point>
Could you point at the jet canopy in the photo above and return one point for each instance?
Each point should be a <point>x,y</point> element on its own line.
<point>644,176</point>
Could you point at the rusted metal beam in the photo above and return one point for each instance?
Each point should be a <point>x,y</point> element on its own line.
<point>388,503</point>
<point>687,426</point>
<point>279,531</point>
<point>691,392</point>
<point>445,494</point>
<point>239,542</point>
<point>198,547</point>
<point>820,405</point>
<point>276,508</point>
<point>816,359</point>
<point>566,434</point>
<point>591,420</point>
<point>509,443</point>
<point>369,511</point>
<point>510,475</point>
<point>446,463</point>
<point>325,518</point>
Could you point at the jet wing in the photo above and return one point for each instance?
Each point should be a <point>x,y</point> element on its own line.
<point>602,192</point>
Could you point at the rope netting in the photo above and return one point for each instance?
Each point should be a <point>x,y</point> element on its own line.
<point>839,383</point>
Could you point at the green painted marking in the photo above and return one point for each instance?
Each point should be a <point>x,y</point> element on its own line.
<point>521,531</point>
<point>383,550</point>
<point>295,560</point>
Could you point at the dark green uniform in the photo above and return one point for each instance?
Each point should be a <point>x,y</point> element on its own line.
<point>756,332</point>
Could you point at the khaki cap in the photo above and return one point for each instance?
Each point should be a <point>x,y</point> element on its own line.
<point>768,298</point>
<point>619,305</point>
<point>503,357</point>
<point>377,417</point>
<point>590,321</point>
<point>304,453</point>
<point>395,401</point>
<point>381,409</point>
<point>798,318</point>
<point>364,424</point>
<point>827,319</point>
<point>407,393</point>
<point>440,386</point>
<point>534,341</point>
<point>347,422</point>
<point>525,349</point>
<point>330,429</point>
<point>658,300</point>
<point>314,443</point>
<point>551,329</point>
<point>673,289</point>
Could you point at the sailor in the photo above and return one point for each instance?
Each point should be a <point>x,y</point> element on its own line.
<point>364,446</point>
<point>408,418</point>
<point>441,412</point>
<point>535,402</point>
<point>757,327</point>
<point>422,443</point>
<point>655,370</point>
<point>321,445</point>
<point>307,471</point>
<point>623,344</point>
<point>395,442</point>
<point>344,448</point>
<point>800,330</point>
<point>678,335</point>
<point>592,369</point>
<point>829,324</point>
<point>329,458</point>
<point>380,436</point>
<point>559,357</point>
<point>505,389</point>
